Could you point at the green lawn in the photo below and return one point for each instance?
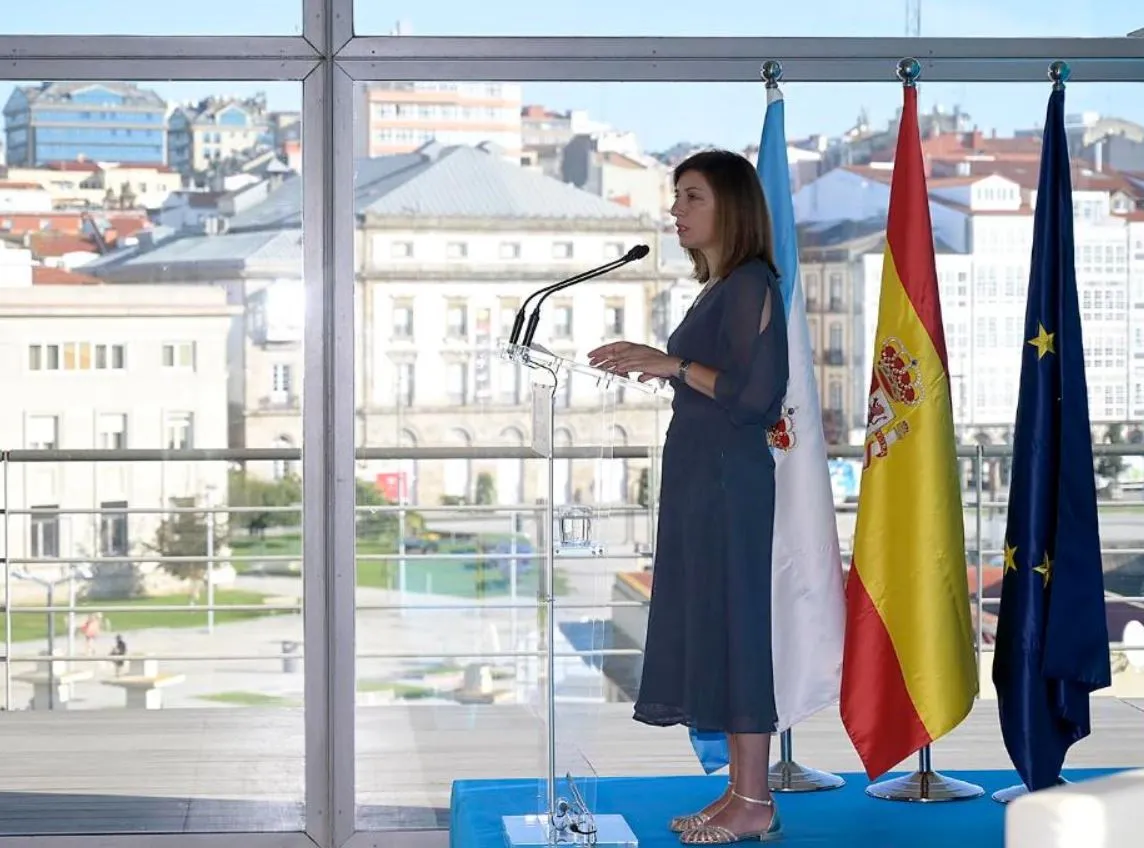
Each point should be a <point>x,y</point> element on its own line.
<point>27,626</point>
<point>401,691</point>
<point>424,575</point>
<point>250,699</point>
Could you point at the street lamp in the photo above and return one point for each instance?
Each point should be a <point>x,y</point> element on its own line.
<point>84,573</point>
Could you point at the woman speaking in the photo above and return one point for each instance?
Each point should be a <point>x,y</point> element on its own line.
<point>707,661</point>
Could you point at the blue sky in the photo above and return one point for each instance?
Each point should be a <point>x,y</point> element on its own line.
<point>728,114</point>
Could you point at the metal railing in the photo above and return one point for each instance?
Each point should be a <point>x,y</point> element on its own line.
<point>978,551</point>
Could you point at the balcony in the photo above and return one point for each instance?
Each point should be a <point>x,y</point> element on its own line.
<point>444,666</point>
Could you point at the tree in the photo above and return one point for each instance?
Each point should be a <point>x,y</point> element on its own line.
<point>188,534</point>
<point>246,491</point>
<point>486,489</point>
<point>373,523</point>
<point>1110,466</point>
<point>126,197</point>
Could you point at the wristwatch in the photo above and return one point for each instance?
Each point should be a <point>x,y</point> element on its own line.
<point>681,372</point>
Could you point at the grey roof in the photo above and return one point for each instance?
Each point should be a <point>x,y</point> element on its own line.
<point>264,247</point>
<point>869,233</point>
<point>63,92</point>
<point>444,182</point>
<point>207,110</point>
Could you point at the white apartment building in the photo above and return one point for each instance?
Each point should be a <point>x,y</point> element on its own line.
<point>983,229</point>
<point>110,185</point>
<point>450,242</point>
<point>104,367</point>
<point>402,116</point>
<point>215,129</point>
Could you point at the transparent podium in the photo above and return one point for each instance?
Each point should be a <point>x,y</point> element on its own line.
<point>587,532</point>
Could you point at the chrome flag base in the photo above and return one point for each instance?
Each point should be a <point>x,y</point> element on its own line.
<point>1012,793</point>
<point>786,776</point>
<point>925,785</point>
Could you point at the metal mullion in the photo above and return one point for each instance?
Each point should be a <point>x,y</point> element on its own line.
<point>795,69</point>
<point>156,47</point>
<point>80,67</point>
<point>156,57</point>
<point>328,519</point>
<point>663,49</point>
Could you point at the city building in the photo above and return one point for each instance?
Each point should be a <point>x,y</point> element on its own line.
<point>983,226</point>
<point>105,367</point>
<point>204,135</point>
<point>97,121</point>
<point>83,184</point>
<point>451,240</point>
<point>402,116</point>
<point>828,254</point>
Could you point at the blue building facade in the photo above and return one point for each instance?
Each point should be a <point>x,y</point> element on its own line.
<point>96,121</point>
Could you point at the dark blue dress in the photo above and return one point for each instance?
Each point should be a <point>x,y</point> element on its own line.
<point>707,661</point>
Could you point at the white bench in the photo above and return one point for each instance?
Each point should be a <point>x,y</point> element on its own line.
<point>43,683</point>
<point>51,674</point>
<point>1106,812</point>
<point>144,685</point>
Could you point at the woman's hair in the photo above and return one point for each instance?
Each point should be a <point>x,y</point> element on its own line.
<point>741,216</point>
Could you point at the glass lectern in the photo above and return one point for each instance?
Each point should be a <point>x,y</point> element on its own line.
<point>585,514</point>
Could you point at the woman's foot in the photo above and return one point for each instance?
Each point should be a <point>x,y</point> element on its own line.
<point>741,818</point>
<point>682,824</point>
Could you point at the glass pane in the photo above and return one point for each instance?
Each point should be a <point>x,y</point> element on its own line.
<point>128,17</point>
<point>463,212</point>
<point>166,593</point>
<point>826,18</point>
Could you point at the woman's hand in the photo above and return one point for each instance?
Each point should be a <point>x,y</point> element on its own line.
<point>628,358</point>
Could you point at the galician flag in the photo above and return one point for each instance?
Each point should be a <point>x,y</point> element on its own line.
<point>807,600</point>
<point>909,674</point>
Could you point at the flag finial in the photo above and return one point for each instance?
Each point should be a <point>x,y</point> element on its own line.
<point>1059,73</point>
<point>908,72</point>
<point>771,72</point>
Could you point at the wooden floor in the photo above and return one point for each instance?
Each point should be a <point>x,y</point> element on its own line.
<point>222,770</point>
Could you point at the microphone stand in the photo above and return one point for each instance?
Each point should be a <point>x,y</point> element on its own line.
<point>636,253</point>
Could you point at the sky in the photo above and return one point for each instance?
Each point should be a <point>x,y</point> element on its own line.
<point>728,115</point>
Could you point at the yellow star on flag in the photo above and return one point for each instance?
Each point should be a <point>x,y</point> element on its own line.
<point>1010,557</point>
<point>1043,341</point>
<point>1045,569</point>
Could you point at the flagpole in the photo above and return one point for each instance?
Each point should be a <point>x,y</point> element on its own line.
<point>925,784</point>
<point>787,775</point>
<point>1059,73</point>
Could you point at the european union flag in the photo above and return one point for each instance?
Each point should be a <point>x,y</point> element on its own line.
<point>1052,636</point>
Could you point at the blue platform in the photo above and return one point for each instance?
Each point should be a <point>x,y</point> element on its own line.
<point>838,818</point>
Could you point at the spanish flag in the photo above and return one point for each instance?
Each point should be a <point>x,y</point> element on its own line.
<point>909,674</point>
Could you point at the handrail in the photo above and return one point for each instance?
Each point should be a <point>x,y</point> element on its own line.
<point>964,451</point>
<point>978,501</point>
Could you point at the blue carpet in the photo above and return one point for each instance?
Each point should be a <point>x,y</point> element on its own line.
<point>838,818</point>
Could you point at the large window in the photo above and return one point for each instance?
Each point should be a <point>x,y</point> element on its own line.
<point>127,17</point>
<point>141,317</point>
<point>291,252</point>
<point>45,541</point>
<point>114,540</point>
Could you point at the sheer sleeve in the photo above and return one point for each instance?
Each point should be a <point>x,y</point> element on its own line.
<point>753,380</point>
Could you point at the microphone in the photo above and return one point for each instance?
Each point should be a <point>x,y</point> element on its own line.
<point>518,322</point>
<point>636,253</point>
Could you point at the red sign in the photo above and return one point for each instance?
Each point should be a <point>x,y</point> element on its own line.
<point>391,485</point>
